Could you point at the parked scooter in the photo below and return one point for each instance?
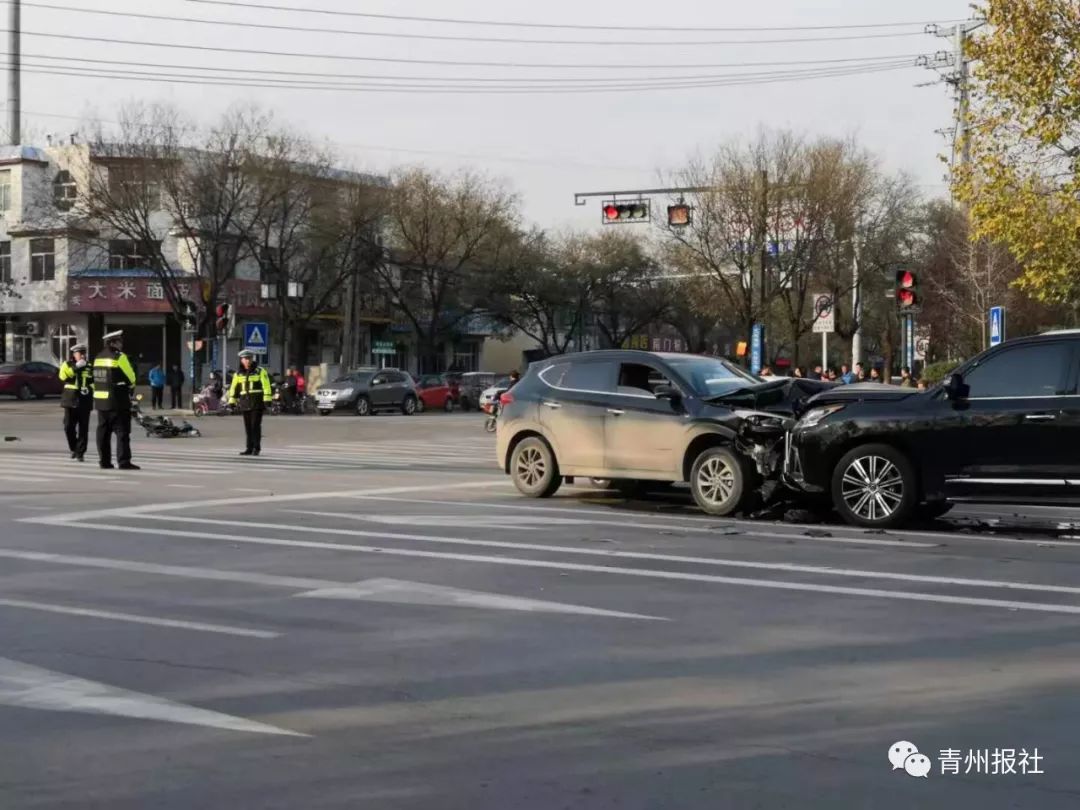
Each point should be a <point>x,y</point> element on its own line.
<point>492,410</point>
<point>210,401</point>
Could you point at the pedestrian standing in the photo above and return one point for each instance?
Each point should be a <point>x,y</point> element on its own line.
<point>846,375</point>
<point>799,372</point>
<point>860,373</point>
<point>175,380</point>
<point>77,400</point>
<point>157,387</point>
<point>875,376</point>
<point>816,374</point>
<point>114,383</point>
<point>251,392</point>
<point>905,378</point>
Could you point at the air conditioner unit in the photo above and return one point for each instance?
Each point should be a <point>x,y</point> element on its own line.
<point>33,328</point>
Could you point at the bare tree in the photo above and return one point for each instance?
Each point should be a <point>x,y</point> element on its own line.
<point>446,234</point>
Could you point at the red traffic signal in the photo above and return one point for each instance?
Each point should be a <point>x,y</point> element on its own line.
<point>907,289</point>
<point>222,317</point>
<point>617,213</point>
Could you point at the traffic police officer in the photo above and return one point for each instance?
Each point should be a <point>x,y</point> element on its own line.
<point>77,400</point>
<point>250,390</point>
<point>114,383</point>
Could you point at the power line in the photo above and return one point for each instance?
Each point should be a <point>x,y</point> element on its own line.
<point>354,58</point>
<point>864,62</point>
<point>560,26</point>
<point>468,38</point>
<point>203,81</point>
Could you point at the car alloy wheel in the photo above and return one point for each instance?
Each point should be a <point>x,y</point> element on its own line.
<point>25,391</point>
<point>875,486</point>
<point>448,406</point>
<point>719,481</point>
<point>363,407</point>
<point>533,468</point>
<point>872,488</point>
<point>408,407</point>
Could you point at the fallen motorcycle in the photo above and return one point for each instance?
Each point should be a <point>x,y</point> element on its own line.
<point>162,427</point>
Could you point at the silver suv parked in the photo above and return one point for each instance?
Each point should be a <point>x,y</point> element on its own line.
<point>365,391</point>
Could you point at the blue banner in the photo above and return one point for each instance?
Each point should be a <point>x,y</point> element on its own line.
<point>757,345</point>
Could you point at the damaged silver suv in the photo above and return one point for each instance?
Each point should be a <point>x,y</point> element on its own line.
<point>636,417</point>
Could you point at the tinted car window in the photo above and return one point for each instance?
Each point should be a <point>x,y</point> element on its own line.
<point>588,377</point>
<point>553,375</point>
<point>639,379</point>
<point>1036,370</point>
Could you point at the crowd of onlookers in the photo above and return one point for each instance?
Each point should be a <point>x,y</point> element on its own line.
<point>847,375</point>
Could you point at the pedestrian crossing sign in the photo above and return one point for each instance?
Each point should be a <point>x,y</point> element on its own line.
<point>256,337</point>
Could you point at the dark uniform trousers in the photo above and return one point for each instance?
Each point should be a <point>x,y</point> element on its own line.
<point>77,425</point>
<point>253,429</point>
<point>118,422</point>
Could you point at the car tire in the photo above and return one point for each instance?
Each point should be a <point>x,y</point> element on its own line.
<point>408,406</point>
<point>720,481</point>
<point>25,392</point>
<point>325,412</point>
<point>420,406</point>
<point>931,510</point>
<point>874,486</point>
<point>448,406</point>
<point>534,469</point>
<point>363,406</point>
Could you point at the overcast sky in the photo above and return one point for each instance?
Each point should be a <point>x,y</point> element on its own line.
<point>545,145</point>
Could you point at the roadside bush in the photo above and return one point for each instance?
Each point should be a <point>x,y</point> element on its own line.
<point>934,373</point>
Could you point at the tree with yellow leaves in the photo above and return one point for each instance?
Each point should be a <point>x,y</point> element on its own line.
<point>1023,129</point>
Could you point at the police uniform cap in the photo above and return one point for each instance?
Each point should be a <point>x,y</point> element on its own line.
<point>117,335</point>
<point>250,355</point>
<point>79,347</point>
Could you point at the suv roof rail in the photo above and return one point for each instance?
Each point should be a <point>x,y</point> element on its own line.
<point>1062,332</point>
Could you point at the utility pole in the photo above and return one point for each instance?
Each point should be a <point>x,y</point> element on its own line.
<point>856,300</point>
<point>14,68</point>
<point>763,226</point>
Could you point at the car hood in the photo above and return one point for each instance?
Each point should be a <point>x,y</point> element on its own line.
<point>341,386</point>
<point>787,395</point>
<point>863,392</point>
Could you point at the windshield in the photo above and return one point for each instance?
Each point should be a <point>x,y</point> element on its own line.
<point>8,369</point>
<point>353,378</point>
<point>711,376</point>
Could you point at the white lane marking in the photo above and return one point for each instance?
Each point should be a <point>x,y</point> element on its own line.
<point>25,479</point>
<point>323,588</point>
<point>628,555</point>
<point>731,522</point>
<point>130,511</point>
<point>420,593</point>
<point>137,619</point>
<point>458,521</point>
<point>30,687</point>
<point>182,571</point>
<point>600,569</point>
<point>186,486</point>
<point>247,489</point>
<point>637,524</point>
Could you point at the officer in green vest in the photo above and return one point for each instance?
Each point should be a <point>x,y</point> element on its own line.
<point>77,400</point>
<point>114,384</point>
<point>251,392</point>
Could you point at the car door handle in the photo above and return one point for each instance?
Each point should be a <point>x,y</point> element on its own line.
<point>615,411</point>
<point>1040,417</point>
<point>548,404</point>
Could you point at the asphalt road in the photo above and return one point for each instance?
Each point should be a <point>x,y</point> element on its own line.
<point>368,616</point>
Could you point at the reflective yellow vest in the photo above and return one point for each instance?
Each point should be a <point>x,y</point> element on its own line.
<point>78,384</point>
<point>251,389</point>
<point>114,380</point>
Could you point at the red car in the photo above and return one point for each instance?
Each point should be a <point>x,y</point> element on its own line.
<point>26,380</point>
<point>436,393</point>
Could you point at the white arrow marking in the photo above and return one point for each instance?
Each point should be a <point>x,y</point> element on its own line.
<point>420,593</point>
<point>29,687</point>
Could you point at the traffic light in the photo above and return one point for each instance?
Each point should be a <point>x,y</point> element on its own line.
<point>906,290</point>
<point>188,315</point>
<point>678,216</point>
<point>616,213</point>
<point>224,319</point>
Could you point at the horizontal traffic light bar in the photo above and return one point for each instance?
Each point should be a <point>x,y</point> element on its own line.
<point>615,212</point>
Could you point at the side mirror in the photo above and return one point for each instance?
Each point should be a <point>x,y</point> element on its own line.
<point>667,392</point>
<point>955,389</point>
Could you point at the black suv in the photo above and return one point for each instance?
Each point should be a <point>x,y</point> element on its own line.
<point>1004,427</point>
<point>635,417</point>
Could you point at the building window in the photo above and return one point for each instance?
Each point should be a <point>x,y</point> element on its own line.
<point>42,260</point>
<point>22,348</point>
<point>64,190</point>
<point>5,191</point>
<point>132,254</point>
<point>64,337</point>
<point>136,183</point>
<point>5,262</point>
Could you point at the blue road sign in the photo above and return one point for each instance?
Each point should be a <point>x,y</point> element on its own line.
<point>997,325</point>
<point>257,337</point>
<point>757,340</point>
